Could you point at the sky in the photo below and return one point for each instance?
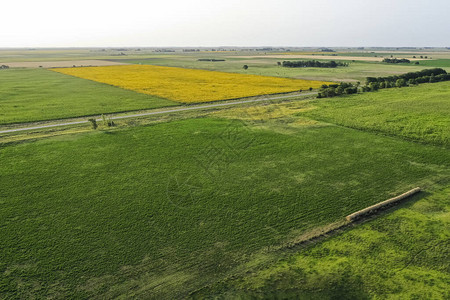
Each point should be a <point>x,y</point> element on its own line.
<point>212,23</point>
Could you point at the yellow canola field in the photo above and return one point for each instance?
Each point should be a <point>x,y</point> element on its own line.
<point>189,85</point>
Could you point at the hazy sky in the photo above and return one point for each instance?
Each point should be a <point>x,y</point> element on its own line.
<point>80,23</point>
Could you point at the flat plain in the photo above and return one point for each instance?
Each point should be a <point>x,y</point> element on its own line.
<point>266,66</point>
<point>204,204</point>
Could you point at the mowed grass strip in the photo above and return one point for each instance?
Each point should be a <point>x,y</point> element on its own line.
<point>164,209</point>
<point>189,85</point>
<point>28,95</point>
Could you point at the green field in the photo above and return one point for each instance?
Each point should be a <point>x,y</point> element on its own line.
<point>420,113</point>
<point>162,210</point>
<point>403,255</point>
<point>441,63</point>
<point>28,95</point>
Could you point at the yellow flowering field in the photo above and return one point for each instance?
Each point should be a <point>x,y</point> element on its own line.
<point>188,85</point>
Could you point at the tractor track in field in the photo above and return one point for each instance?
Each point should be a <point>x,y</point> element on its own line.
<point>150,113</point>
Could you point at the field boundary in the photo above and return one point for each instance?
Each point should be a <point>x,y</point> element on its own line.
<point>373,208</point>
<point>360,215</point>
<point>355,218</point>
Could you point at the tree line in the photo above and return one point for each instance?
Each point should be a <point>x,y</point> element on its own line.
<point>333,90</point>
<point>396,60</point>
<point>422,76</point>
<point>376,83</point>
<point>313,64</point>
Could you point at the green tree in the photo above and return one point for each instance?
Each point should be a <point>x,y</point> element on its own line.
<point>432,78</point>
<point>373,86</point>
<point>400,82</point>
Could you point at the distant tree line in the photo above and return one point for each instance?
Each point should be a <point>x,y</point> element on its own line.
<point>164,50</point>
<point>396,60</point>
<point>4,67</point>
<point>210,59</point>
<point>313,64</point>
<point>376,83</point>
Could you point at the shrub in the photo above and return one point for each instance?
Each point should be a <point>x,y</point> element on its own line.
<point>351,90</point>
<point>396,60</point>
<point>313,64</point>
<point>93,123</point>
<point>400,82</point>
<point>107,121</point>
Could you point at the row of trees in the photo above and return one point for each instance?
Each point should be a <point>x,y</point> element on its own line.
<point>333,90</point>
<point>374,84</point>
<point>407,76</point>
<point>396,60</point>
<point>313,64</point>
<point>4,67</point>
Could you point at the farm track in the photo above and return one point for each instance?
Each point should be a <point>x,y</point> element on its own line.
<point>118,117</point>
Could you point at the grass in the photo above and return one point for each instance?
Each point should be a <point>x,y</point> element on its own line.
<point>161,210</point>
<point>438,63</point>
<point>34,95</point>
<point>402,255</point>
<point>419,113</point>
